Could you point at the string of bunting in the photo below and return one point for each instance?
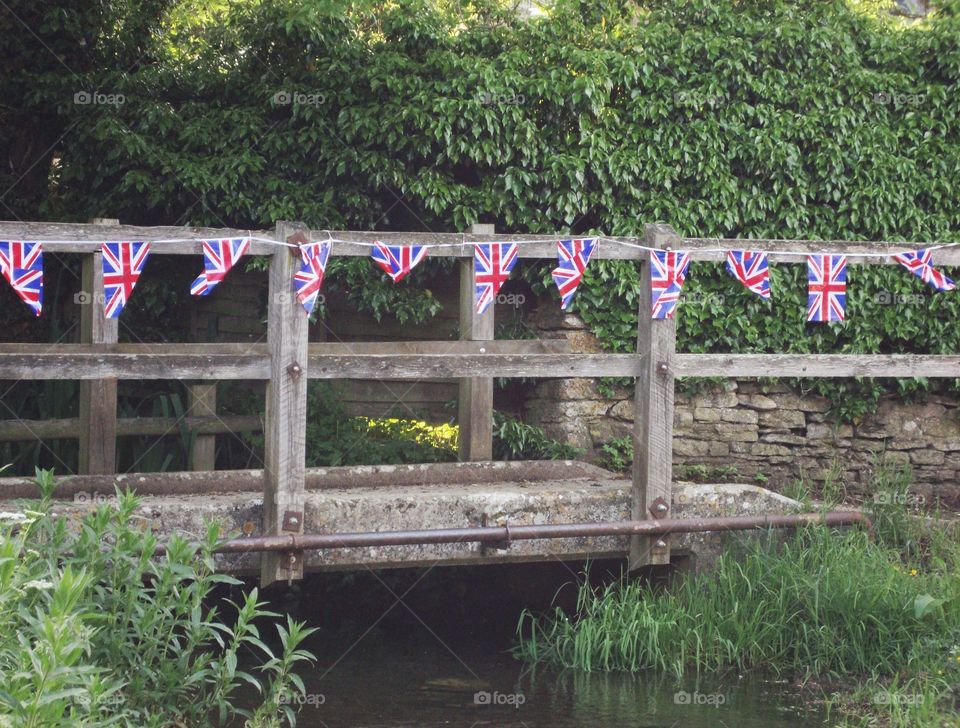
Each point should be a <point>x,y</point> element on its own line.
<point>21,264</point>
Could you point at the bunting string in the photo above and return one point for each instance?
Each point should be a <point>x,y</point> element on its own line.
<point>22,267</point>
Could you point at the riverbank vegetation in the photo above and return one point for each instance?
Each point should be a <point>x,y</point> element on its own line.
<point>96,631</point>
<point>873,618</point>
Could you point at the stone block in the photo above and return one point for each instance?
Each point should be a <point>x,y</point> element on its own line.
<point>927,457</point>
<point>741,416</point>
<point>706,414</point>
<point>783,419</point>
<point>757,401</point>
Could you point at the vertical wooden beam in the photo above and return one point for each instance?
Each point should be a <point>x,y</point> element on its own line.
<point>286,409</point>
<point>98,398</point>
<point>202,402</point>
<point>653,415</point>
<point>475,402</point>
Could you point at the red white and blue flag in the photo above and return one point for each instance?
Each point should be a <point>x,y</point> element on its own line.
<point>572,259</point>
<point>122,265</point>
<point>493,263</point>
<point>309,278</point>
<point>22,266</point>
<point>826,287</point>
<point>920,263</point>
<point>397,260</point>
<point>219,256</point>
<point>668,271</point>
<point>751,270</point>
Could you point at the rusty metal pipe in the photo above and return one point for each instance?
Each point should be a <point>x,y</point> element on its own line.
<point>310,542</point>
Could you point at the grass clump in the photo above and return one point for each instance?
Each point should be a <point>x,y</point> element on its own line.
<point>880,610</point>
<point>94,630</point>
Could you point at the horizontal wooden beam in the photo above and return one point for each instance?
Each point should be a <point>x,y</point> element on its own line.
<point>60,364</point>
<point>69,428</point>
<point>81,238</point>
<point>449,366</point>
<point>817,365</point>
<point>461,246</point>
<point>503,346</point>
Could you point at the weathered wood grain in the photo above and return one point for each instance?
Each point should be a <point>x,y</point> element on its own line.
<point>653,421</point>
<point>286,409</point>
<point>98,397</point>
<point>69,428</point>
<point>203,403</point>
<point>817,365</point>
<point>475,399</point>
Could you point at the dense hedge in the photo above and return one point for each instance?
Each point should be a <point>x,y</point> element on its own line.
<point>781,119</point>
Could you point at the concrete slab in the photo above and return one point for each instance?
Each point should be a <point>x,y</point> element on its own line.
<point>589,494</point>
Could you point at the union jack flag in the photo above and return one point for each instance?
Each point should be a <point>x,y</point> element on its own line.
<point>751,270</point>
<point>572,259</point>
<point>309,278</point>
<point>668,271</point>
<point>920,264</point>
<point>493,263</point>
<point>826,287</point>
<point>22,266</point>
<point>122,265</point>
<point>397,260</point>
<point>219,256</point>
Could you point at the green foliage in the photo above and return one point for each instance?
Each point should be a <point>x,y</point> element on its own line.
<point>95,630</point>
<point>516,440</point>
<point>617,455</point>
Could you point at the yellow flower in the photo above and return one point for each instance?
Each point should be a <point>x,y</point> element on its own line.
<point>913,572</point>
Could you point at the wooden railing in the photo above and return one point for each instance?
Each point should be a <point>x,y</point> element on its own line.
<point>286,361</point>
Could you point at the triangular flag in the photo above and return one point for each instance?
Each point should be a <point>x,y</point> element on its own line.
<point>122,265</point>
<point>22,266</point>
<point>668,271</point>
<point>920,263</point>
<point>493,263</point>
<point>572,259</point>
<point>826,287</point>
<point>309,278</point>
<point>751,270</point>
<point>397,260</point>
<point>219,256</point>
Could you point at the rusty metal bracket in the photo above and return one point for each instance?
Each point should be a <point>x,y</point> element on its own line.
<point>292,521</point>
<point>659,508</point>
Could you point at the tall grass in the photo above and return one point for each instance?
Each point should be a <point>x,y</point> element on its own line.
<point>842,605</point>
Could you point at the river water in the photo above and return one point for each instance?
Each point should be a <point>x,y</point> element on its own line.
<point>432,648</point>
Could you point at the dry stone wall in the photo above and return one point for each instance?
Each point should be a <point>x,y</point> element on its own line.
<point>751,431</point>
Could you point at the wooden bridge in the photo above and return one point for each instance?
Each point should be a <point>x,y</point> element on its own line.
<point>286,361</point>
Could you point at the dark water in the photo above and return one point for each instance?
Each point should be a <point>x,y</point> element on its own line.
<point>417,679</point>
<point>431,648</point>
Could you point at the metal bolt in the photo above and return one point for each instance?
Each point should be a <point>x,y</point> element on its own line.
<point>295,370</point>
<point>662,367</point>
<point>661,508</point>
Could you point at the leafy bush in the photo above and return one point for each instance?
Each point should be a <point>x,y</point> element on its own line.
<point>94,630</point>
<point>516,440</point>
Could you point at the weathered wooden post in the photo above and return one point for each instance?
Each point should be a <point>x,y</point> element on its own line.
<point>475,402</point>
<point>286,409</point>
<point>653,414</point>
<point>202,402</point>
<point>98,397</point>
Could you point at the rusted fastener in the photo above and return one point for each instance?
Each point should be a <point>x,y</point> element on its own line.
<point>659,508</point>
<point>659,546</point>
<point>291,565</point>
<point>662,368</point>
<point>295,370</point>
<point>292,521</point>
